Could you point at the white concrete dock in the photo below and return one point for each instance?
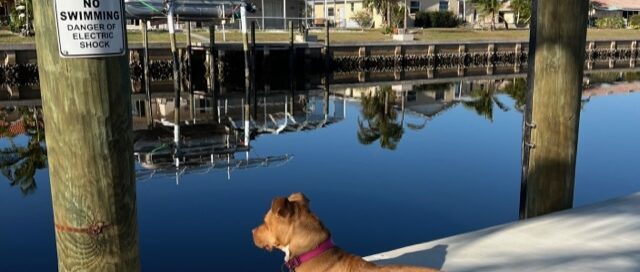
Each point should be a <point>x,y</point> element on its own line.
<point>600,237</point>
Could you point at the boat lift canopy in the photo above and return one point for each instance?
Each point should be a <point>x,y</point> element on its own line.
<point>188,10</point>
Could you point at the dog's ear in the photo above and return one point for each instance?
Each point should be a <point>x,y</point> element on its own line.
<point>281,207</point>
<point>299,197</point>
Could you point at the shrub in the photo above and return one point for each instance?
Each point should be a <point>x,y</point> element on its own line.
<point>363,18</point>
<point>634,21</point>
<point>436,19</point>
<point>422,19</point>
<point>610,22</point>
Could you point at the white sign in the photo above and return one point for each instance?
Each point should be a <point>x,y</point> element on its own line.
<point>90,28</point>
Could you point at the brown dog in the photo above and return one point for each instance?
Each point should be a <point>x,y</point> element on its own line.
<point>291,227</point>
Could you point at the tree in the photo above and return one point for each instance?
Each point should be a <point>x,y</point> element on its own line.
<point>363,18</point>
<point>483,100</point>
<point>522,8</point>
<point>489,8</point>
<point>385,6</point>
<point>18,163</point>
<point>380,120</point>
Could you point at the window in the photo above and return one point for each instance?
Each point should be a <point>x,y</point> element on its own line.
<point>501,17</point>
<point>444,5</point>
<point>352,7</point>
<point>414,7</point>
<point>330,12</point>
<point>461,7</point>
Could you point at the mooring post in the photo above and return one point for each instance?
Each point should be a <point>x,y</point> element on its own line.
<point>462,52</point>
<point>212,72</point>
<point>145,67</point>
<point>431,67</point>
<point>590,52</point>
<point>491,51</point>
<point>517,63</point>
<point>88,117</point>
<point>362,55</point>
<point>550,136</point>
<point>254,88</point>
<point>192,102</point>
<point>398,63</point>
<point>176,73</point>
<point>292,56</point>
<point>247,75</point>
<point>327,48</point>
<point>266,68</point>
<point>634,54</point>
<point>612,54</point>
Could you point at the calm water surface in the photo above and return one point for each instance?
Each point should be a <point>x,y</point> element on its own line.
<point>455,168</point>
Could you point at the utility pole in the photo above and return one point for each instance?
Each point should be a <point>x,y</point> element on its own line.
<point>86,97</point>
<point>550,134</point>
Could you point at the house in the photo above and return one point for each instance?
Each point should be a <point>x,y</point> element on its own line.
<point>614,8</point>
<point>340,12</point>
<point>269,14</point>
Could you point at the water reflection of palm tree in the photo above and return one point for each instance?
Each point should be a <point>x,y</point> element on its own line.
<point>483,100</point>
<point>18,163</point>
<point>517,90</point>
<point>380,120</point>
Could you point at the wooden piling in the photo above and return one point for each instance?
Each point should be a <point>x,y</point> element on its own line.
<point>431,53</point>
<point>398,53</point>
<point>212,71</point>
<point>189,52</point>
<point>266,68</point>
<point>254,89</point>
<point>612,59</point>
<point>552,115</point>
<point>327,48</point>
<point>517,64</point>
<point>176,74</point>
<point>292,56</point>
<point>591,61</point>
<point>247,75</point>
<point>88,116</point>
<point>634,54</point>
<point>146,76</point>
<point>362,54</point>
<point>462,51</point>
<point>491,67</point>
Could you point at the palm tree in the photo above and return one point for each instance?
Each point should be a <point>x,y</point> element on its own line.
<point>19,164</point>
<point>381,6</point>
<point>483,100</point>
<point>517,90</point>
<point>489,7</point>
<point>380,120</point>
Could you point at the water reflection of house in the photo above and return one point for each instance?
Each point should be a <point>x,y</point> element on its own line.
<point>610,89</point>
<point>427,100</point>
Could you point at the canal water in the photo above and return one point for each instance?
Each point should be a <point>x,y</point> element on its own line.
<point>385,165</point>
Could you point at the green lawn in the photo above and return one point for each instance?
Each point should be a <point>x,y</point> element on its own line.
<point>339,36</point>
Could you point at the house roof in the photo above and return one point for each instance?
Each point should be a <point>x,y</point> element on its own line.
<point>613,5</point>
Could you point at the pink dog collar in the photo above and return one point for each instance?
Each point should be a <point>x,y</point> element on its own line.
<point>294,262</point>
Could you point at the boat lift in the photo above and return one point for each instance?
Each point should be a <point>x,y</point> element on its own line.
<point>187,10</point>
